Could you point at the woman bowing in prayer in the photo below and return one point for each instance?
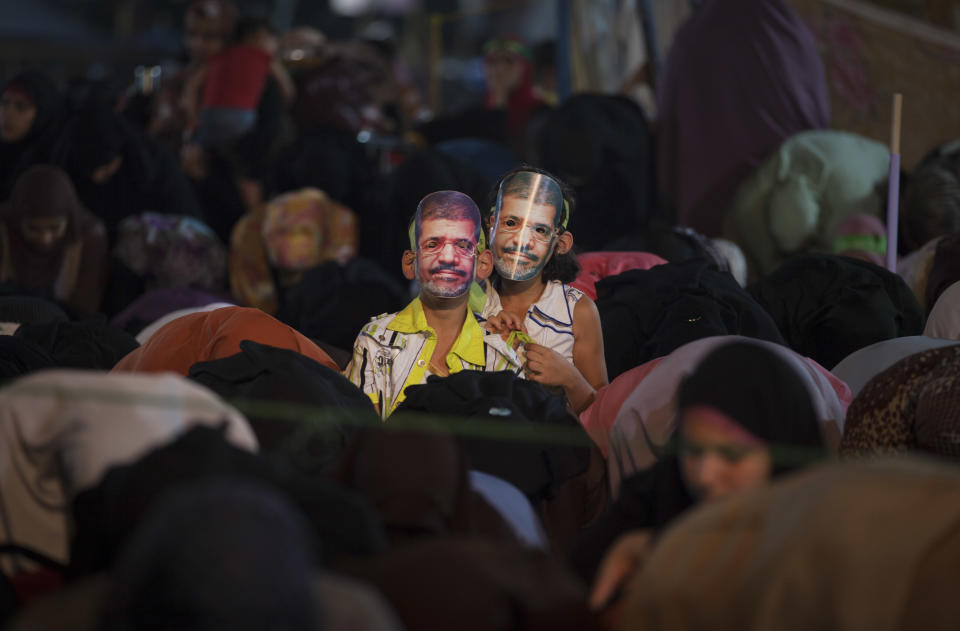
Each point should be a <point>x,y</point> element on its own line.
<point>50,245</point>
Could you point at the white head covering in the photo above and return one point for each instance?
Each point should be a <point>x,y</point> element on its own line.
<point>735,258</point>
<point>863,365</point>
<point>944,319</point>
<point>647,418</point>
<point>61,430</point>
<point>145,335</point>
<point>513,506</point>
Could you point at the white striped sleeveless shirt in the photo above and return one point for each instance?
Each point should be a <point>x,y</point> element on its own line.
<point>549,321</point>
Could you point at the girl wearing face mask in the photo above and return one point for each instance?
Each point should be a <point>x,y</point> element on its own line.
<point>50,245</point>
<point>744,417</point>
<point>30,121</point>
<point>560,327</point>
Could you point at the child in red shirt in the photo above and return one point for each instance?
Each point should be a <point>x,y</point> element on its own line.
<point>231,85</point>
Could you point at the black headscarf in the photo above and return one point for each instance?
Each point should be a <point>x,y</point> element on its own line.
<point>148,179</point>
<point>384,237</point>
<point>829,306</point>
<point>601,145</point>
<point>221,554</point>
<point>333,301</point>
<point>42,191</point>
<point>760,392</point>
<point>38,145</point>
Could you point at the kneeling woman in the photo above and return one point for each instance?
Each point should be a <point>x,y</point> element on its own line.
<point>50,246</point>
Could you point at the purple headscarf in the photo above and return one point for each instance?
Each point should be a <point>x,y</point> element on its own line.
<point>741,77</point>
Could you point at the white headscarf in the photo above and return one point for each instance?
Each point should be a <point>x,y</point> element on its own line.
<point>144,336</point>
<point>944,319</point>
<point>863,365</point>
<point>61,430</point>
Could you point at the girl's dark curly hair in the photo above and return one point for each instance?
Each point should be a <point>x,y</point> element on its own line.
<point>561,267</point>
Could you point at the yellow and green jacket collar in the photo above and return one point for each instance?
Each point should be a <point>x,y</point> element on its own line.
<point>468,345</point>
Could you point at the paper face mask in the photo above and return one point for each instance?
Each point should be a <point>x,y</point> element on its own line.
<point>526,223</point>
<point>446,233</point>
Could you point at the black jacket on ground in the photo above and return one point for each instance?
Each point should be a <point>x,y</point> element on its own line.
<point>829,306</point>
<point>647,314</point>
<point>311,440</point>
<point>536,467</point>
<point>20,357</point>
<point>89,344</point>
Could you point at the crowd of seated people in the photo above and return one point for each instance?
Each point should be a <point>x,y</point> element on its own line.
<point>537,363</point>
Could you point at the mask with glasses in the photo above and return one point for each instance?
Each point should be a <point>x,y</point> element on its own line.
<point>529,216</point>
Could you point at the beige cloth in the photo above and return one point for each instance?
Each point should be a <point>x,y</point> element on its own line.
<point>61,430</point>
<point>915,268</point>
<point>869,546</point>
<point>944,319</point>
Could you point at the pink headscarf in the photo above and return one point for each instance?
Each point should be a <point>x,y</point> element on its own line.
<point>595,266</point>
<point>637,408</point>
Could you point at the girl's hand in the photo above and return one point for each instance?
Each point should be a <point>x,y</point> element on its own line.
<point>550,368</point>
<point>547,366</point>
<point>504,322</point>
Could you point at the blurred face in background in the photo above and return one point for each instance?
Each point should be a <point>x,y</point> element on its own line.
<point>17,114</point>
<point>43,233</point>
<point>718,457</point>
<point>204,33</point>
<point>296,249</point>
<point>503,70</point>
<point>293,232</point>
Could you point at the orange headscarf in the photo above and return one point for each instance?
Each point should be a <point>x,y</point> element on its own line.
<point>205,336</point>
